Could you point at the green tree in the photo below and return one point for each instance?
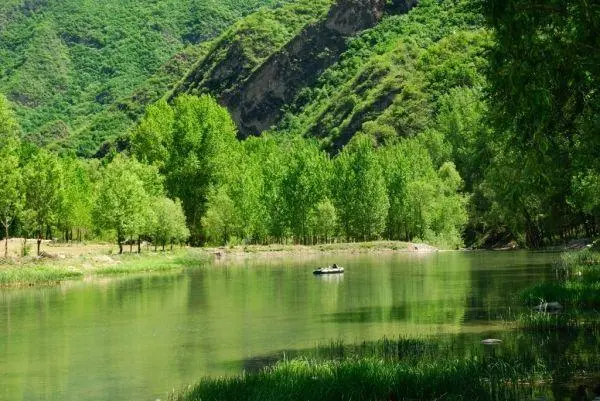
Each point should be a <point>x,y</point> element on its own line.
<point>305,183</point>
<point>360,193</point>
<point>11,200</point>
<point>544,77</point>
<point>122,202</point>
<point>152,138</point>
<point>169,223</point>
<point>323,221</point>
<point>219,221</point>
<point>76,198</point>
<point>425,204</point>
<point>42,178</point>
<point>194,145</point>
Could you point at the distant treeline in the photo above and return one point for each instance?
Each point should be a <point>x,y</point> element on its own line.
<point>262,190</point>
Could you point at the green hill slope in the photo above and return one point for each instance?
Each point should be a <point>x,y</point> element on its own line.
<point>64,61</point>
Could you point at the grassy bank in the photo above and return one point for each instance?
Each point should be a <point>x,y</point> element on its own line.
<point>52,270</point>
<point>578,284</point>
<point>67,262</point>
<point>403,370</point>
<point>577,290</point>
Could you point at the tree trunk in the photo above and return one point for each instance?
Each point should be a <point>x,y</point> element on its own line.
<point>120,248</point>
<point>171,245</point>
<point>6,241</point>
<point>130,245</point>
<point>139,244</point>
<point>39,243</point>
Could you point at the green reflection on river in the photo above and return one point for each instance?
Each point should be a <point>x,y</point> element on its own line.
<point>137,338</point>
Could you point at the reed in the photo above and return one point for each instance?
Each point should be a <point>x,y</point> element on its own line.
<point>408,369</point>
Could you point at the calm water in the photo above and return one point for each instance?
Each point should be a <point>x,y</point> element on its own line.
<point>138,338</point>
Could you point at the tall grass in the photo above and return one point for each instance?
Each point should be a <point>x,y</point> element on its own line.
<point>584,263</point>
<point>385,370</point>
<point>579,284</point>
<point>17,276</point>
<point>368,379</point>
<point>577,294</point>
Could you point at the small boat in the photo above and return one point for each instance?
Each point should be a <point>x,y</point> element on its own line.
<point>329,270</point>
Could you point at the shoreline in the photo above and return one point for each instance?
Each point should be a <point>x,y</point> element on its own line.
<point>67,262</point>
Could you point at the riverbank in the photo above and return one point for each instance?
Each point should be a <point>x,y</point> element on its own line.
<point>60,262</point>
<point>415,370</point>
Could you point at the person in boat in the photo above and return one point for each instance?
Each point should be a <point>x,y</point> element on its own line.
<point>334,266</point>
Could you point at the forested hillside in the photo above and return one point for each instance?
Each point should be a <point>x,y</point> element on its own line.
<point>374,119</point>
<point>62,62</point>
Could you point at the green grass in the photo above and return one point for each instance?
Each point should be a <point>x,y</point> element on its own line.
<point>575,294</point>
<point>448,368</point>
<point>134,264</point>
<point>366,379</point>
<point>32,272</point>
<point>36,275</point>
<point>383,370</point>
<point>549,322</point>
<point>578,285</point>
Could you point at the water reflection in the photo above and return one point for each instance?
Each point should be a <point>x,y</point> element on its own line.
<point>136,338</point>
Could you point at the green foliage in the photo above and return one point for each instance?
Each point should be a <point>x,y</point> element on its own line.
<point>306,183</point>
<point>80,61</point>
<point>219,221</point>
<point>11,199</point>
<point>193,145</point>
<point>424,203</point>
<point>77,194</point>
<point>169,225</point>
<point>360,192</point>
<point>122,204</point>
<point>323,221</point>
<point>544,69</point>
<point>42,182</point>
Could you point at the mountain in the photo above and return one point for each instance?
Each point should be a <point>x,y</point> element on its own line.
<point>362,65</point>
<point>81,73</point>
<point>63,63</point>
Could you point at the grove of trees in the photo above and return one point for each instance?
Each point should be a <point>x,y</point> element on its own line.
<point>187,177</point>
<point>46,195</point>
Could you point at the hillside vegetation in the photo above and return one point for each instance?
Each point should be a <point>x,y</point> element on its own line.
<point>377,119</point>
<point>62,62</point>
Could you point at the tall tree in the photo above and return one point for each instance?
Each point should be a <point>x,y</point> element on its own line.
<point>122,201</point>
<point>170,224</point>
<point>544,78</point>
<point>305,184</point>
<point>194,144</point>
<point>11,199</point>
<point>360,191</point>
<point>76,198</point>
<point>42,177</point>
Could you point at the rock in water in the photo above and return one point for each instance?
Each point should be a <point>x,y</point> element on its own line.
<point>491,341</point>
<point>548,307</point>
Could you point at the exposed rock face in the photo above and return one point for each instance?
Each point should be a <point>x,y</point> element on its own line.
<point>255,98</point>
<point>256,105</point>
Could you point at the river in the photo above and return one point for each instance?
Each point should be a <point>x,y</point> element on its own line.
<point>137,338</point>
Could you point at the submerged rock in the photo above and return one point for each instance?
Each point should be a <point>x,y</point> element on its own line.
<point>491,341</point>
<point>548,307</point>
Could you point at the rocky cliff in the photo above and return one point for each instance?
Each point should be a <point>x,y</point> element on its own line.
<point>256,96</point>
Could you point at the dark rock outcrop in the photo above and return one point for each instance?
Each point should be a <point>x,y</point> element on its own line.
<point>256,104</point>
<point>256,97</point>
